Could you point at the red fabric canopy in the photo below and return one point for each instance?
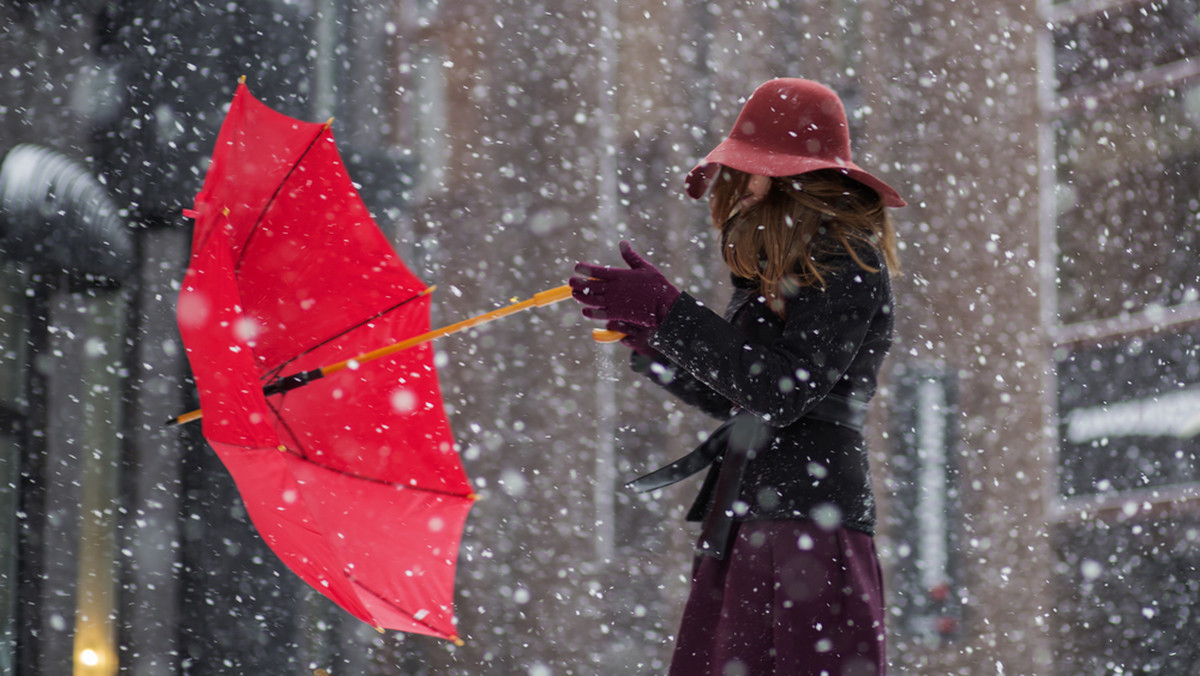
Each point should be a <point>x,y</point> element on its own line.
<point>353,480</point>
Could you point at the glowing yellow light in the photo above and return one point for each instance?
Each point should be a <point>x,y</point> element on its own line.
<point>99,660</point>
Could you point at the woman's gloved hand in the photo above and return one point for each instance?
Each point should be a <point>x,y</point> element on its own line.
<point>637,337</point>
<point>640,295</point>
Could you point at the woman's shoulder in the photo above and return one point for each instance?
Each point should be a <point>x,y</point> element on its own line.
<point>839,264</point>
<point>859,278</point>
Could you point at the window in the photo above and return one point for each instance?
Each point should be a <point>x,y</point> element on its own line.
<point>928,588</point>
<point>1128,202</point>
<point>430,120</point>
<point>1129,417</point>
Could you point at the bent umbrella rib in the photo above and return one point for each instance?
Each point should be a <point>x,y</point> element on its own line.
<point>254,229</point>
<point>307,457</point>
<point>468,496</point>
<point>274,373</point>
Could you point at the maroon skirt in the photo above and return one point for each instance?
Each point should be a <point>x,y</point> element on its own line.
<point>788,598</point>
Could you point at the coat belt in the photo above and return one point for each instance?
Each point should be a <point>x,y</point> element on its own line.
<point>734,443</point>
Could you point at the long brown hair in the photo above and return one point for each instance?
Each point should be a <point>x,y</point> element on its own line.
<point>785,241</point>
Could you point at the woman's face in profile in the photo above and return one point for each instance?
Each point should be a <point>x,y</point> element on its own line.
<point>756,189</point>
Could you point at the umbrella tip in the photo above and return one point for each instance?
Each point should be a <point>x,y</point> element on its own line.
<point>428,290</point>
<point>185,418</point>
<point>458,641</point>
<point>242,80</point>
<point>329,123</point>
<point>379,629</point>
<point>474,497</point>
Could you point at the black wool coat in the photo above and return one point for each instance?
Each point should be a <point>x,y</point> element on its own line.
<point>792,391</point>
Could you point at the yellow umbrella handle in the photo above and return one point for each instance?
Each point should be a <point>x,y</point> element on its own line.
<point>606,336</point>
<point>539,300</point>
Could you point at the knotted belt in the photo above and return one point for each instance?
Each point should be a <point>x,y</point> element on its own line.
<point>734,443</point>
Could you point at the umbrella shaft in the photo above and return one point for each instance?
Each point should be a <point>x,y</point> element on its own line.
<point>303,378</point>
<point>292,382</point>
<point>544,298</point>
<point>275,387</point>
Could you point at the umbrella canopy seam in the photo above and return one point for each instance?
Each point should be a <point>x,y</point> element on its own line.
<point>356,582</point>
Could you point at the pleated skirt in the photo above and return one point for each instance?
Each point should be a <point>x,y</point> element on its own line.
<point>789,598</point>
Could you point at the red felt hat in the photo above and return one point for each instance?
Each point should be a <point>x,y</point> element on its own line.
<point>789,126</point>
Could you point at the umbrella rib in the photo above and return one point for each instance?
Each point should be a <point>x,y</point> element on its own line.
<point>274,373</point>
<point>384,599</point>
<point>352,475</point>
<point>304,455</point>
<point>303,452</point>
<point>278,189</point>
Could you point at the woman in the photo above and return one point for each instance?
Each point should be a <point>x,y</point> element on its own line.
<point>786,579</point>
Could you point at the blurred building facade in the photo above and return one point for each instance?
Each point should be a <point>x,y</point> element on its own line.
<point>1035,467</point>
<point>125,547</point>
<point>1121,205</point>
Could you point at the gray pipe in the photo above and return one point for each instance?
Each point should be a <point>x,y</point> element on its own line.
<point>54,215</point>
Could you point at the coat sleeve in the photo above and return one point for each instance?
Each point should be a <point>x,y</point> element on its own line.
<point>782,380</point>
<point>683,385</point>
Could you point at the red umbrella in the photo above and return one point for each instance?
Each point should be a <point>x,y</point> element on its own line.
<point>354,480</point>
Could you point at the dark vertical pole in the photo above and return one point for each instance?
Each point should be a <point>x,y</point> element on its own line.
<point>127,478</point>
<point>32,492</point>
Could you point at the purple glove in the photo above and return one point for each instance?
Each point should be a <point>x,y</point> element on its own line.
<point>637,337</point>
<point>640,295</point>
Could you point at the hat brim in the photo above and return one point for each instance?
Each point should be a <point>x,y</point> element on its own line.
<point>752,159</point>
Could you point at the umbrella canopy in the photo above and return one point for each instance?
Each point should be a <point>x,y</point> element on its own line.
<point>353,480</point>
